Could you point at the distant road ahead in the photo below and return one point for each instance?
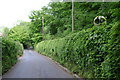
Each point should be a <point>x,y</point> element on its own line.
<point>35,65</point>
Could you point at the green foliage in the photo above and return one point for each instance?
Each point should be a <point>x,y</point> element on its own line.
<point>37,37</point>
<point>5,32</point>
<point>0,56</point>
<point>36,21</point>
<point>89,53</point>
<point>11,50</point>
<point>58,17</point>
<point>21,33</point>
<point>114,60</point>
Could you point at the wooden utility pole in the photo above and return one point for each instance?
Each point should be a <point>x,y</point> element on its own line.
<point>43,28</point>
<point>72,15</point>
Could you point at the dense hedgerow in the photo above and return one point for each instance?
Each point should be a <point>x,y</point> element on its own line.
<point>89,53</point>
<point>11,50</point>
<point>0,56</point>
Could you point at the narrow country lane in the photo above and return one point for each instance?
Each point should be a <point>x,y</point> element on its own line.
<point>35,65</point>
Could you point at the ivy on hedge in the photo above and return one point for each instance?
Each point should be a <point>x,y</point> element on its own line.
<point>89,53</point>
<point>11,50</point>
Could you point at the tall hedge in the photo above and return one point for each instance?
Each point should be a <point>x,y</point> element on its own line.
<point>11,50</point>
<point>89,53</point>
<point>0,56</point>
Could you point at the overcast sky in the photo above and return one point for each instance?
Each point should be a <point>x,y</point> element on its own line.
<point>13,10</point>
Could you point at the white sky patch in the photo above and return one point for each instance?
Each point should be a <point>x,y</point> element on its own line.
<point>13,10</point>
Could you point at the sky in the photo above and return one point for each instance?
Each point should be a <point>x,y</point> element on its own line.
<point>12,11</point>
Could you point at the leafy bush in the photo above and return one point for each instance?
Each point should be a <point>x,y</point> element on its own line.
<point>21,33</point>
<point>10,51</point>
<point>89,53</point>
<point>0,56</point>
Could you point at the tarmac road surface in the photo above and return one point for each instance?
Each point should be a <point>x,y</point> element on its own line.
<point>35,65</point>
